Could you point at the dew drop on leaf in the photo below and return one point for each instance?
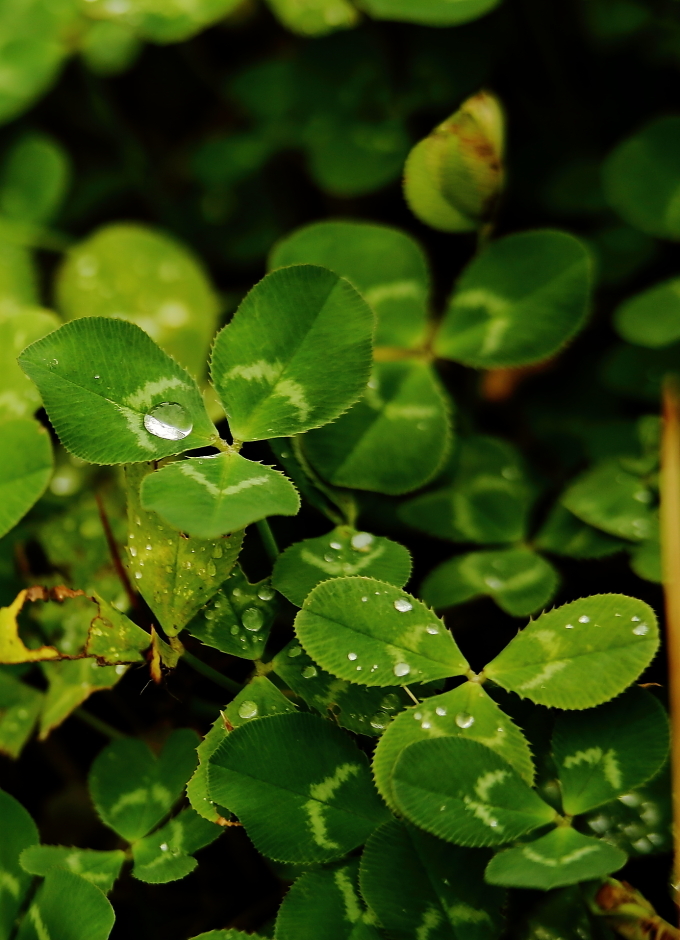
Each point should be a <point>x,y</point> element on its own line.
<point>247,709</point>
<point>464,720</point>
<point>379,721</point>
<point>641,630</point>
<point>440,710</point>
<point>169,420</point>
<point>584,619</point>
<point>351,657</point>
<point>402,669</point>
<point>252,619</point>
<point>336,545</point>
<point>402,605</point>
<point>362,541</point>
<point>295,651</point>
<point>432,630</point>
<point>266,593</point>
<point>309,672</point>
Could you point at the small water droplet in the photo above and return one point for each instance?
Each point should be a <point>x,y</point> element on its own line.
<point>309,672</point>
<point>247,709</point>
<point>148,548</point>
<point>97,376</point>
<point>266,593</point>
<point>234,629</point>
<point>217,551</point>
<point>362,541</point>
<point>210,615</point>
<point>252,619</point>
<point>328,557</point>
<point>163,847</point>
<point>641,630</point>
<point>295,651</point>
<point>426,726</point>
<point>493,823</point>
<point>432,630</point>
<point>364,599</point>
<point>237,592</point>
<point>440,710</point>
<point>336,545</point>
<point>133,551</point>
<point>212,570</point>
<point>138,575</point>
<point>402,605</point>
<point>494,583</point>
<point>569,626</point>
<point>584,619</point>
<point>464,720</point>
<point>379,721</point>
<point>401,669</point>
<point>351,656</point>
<point>169,420</point>
<point>417,715</point>
<point>390,703</point>
<point>359,668</point>
<point>635,620</point>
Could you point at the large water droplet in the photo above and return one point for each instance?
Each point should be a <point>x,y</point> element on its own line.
<point>401,669</point>
<point>294,651</point>
<point>440,710</point>
<point>351,656</point>
<point>641,630</point>
<point>464,720</point>
<point>247,709</point>
<point>402,605</point>
<point>380,721</point>
<point>362,541</point>
<point>584,619</point>
<point>252,619</point>
<point>168,420</point>
<point>432,630</point>
<point>266,593</point>
<point>336,545</point>
<point>309,672</point>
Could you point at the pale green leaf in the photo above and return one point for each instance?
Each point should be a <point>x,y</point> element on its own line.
<point>562,857</point>
<point>18,274</point>
<point>642,178</point>
<point>610,750</point>
<point>133,789</point>
<point>428,12</point>
<point>459,790</point>
<point>20,705</point>
<point>519,580</point>
<point>392,441</point>
<point>18,832</point>
<point>87,916</point>
<point>103,382</point>
<point>19,398</point>
<point>109,48</point>
<point>518,301</point>
<point>563,533</point>
<point>371,633</point>
<point>175,575</point>
<point>611,498</point>
<point>387,267</point>
<point>167,22</point>
<point>134,273</point>
<point>358,708</point>
<point>296,354</point>
<point>314,17</point>
<point>166,855</point>
<point>467,712</point>
<point>418,884</point>
<point>238,618</point>
<point>581,654</point>
<point>327,900</point>
<point>70,683</point>
<point>207,497</point>
<point>486,497</point>
<point>651,318</point>
<point>314,776</point>
<point>34,179</point>
<point>25,469</point>
<point>343,552</point>
<point>99,868</point>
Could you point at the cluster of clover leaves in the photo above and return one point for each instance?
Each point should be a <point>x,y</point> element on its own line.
<point>457,809</point>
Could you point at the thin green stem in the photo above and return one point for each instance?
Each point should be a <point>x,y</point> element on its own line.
<point>268,540</point>
<point>210,673</point>
<point>101,726</point>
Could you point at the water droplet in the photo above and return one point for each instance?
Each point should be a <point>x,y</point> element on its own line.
<point>493,823</point>
<point>379,721</point>
<point>148,548</point>
<point>266,593</point>
<point>569,626</point>
<point>163,847</point>
<point>402,605</point>
<point>210,615</point>
<point>336,545</point>
<point>417,715</point>
<point>295,651</point>
<point>401,669</point>
<point>426,726</point>
<point>432,630</point>
<point>635,620</point>
<point>584,619</point>
<point>309,672</point>
<point>463,720</point>
<point>138,575</point>
<point>390,702</point>
<point>234,629</point>
<point>97,376</point>
<point>641,630</point>
<point>169,420</point>
<point>351,656</point>
<point>247,709</point>
<point>217,551</point>
<point>252,619</point>
<point>494,583</point>
<point>359,668</point>
<point>133,551</point>
<point>440,710</point>
<point>54,362</point>
<point>362,541</point>
<point>328,557</point>
<point>364,599</point>
<point>237,592</point>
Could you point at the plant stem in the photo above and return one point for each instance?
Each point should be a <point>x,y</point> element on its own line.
<point>115,556</point>
<point>670,546</point>
<point>210,673</point>
<point>268,540</point>
<point>101,726</point>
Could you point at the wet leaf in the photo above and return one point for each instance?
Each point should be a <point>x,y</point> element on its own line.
<point>611,498</point>
<point>167,854</point>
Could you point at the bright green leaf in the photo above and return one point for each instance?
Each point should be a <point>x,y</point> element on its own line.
<point>581,654</point>
<point>176,576</point>
<point>313,774</point>
<point>651,318</point>
<point>34,179</point>
<point>605,752</point>
<point>20,705</point>
<point>392,441</point>
<point>329,900</point>
<point>387,267</point>
<point>133,789</point>
<point>166,22</point>
<point>429,12</point>
<point>87,916</point>
<point>343,552</point>
<point>358,708</point>
<point>113,396</point>
<point>468,712</point>
<point>197,787</point>
<point>314,17</point>
<point>642,178</point>
<point>296,354</point>
<point>459,790</point>
<point>25,469</point>
<point>18,832</point>
<point>134,273</point>
<point>518,301</point>
<point>18,277</point>
<point>371,633</point>
<point>414,882</point>
<point>238,618</point>
<point>109,48</point>
<point>211,496</point>
<point>562,857</point>
<point>99,868</point>
<point>19,398</point>
<point>611,498</point>
<point>519,580</point>
<point>166,855</point>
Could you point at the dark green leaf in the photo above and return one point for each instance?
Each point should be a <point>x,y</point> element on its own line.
<point>25,469</point>
<point>34,179</point>
<point>70,683</point>
<point>166,855</point>
<point>87,915</point>
<point>99,868</point>
<point>651,318</point>
<point>20,705</point>
<point>429,12</point>
<point>18,832</point>
<point>563,533</point>
<point>613,499</point>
